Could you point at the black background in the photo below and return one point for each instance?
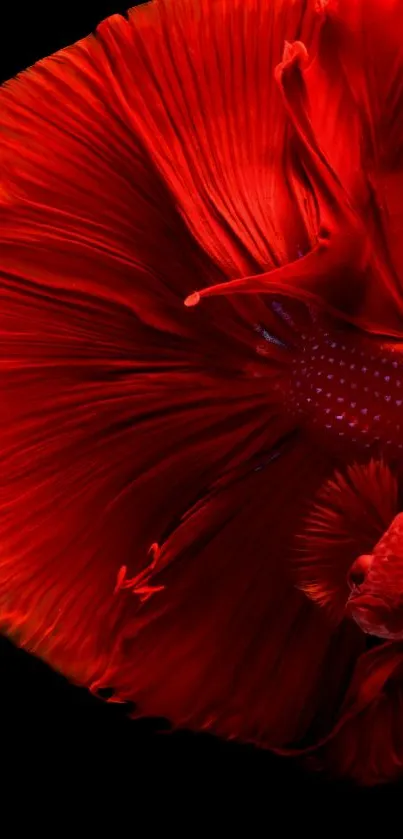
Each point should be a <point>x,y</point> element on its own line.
<point>45,723</point>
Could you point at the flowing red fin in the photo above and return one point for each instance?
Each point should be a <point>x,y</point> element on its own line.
<point>342,271</point>
<point>342,250</point>
<point>220,616</point>
<point>227,130</point>
<point>366,744</point>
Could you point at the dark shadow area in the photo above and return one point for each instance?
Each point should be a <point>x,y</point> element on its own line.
<point>41,711</point>
<point>35,30</point>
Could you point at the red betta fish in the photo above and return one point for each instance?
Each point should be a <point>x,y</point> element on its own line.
<point>201,504</point>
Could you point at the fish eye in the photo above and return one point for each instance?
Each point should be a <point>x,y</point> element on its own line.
<point>358,571</point>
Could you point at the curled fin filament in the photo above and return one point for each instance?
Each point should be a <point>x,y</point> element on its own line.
<point>139,584</point>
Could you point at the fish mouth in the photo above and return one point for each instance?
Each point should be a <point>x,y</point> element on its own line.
<point>372,615</point>
<point>369,612</point>
<point>370,605</point>
<point>360,599</point>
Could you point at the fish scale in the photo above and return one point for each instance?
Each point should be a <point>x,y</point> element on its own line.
<point>346,388</point>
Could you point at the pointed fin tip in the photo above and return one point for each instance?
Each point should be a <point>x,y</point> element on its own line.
<point>295,51</point>
<point>192,300</point>
<point>323,7</point>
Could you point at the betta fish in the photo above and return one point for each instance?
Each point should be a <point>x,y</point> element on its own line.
<point>201,327</point>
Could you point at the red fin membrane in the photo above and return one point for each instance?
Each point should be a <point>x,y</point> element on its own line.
<point>225,637</point>
<point>118,409</point>
<point>135,169</point>
<point>343,271</point>
<point>368,745</point>
<point>208,110</point>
